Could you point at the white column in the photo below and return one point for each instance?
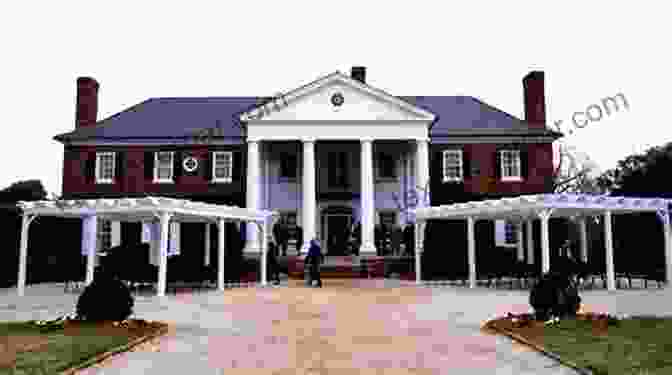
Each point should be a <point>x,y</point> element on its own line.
<point>115,233</point>
<point>519,234</point>
<point>419,229</point>
<point>609,245</point>
<point>367,198</point>
<point>422,168</point>
<point>584,239</point>
<point>668,248</point>
<point>309,194</point>
<point>471,241</point>
<point>264,251</point>
<point>530,242</point>
<point>23,253</point>
<point>545,248</point>
<point>206,257</point>
<point>252,198</point>
<point>90,236</point>
<point>164,224</point>
<point>221,233</point>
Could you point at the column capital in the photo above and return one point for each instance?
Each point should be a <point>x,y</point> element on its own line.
<point>421,140</point>
<point>308,139</point>
<point>253,141</point>
<point>366,140</point>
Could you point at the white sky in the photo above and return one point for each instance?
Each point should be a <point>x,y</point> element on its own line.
<point>589,50</point>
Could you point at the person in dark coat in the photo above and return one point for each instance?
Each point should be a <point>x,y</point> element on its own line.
<point>280,234</point>
<point>313,260</point>
<point>409,241</point>
<point>272,263</point>
<point>357,234</point>
<point>395,237</point>
<point>299,239</point>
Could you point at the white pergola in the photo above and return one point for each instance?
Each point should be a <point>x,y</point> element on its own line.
<point>147,209</point>
<point>542,206</point>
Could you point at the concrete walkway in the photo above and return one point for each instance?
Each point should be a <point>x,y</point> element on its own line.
<point>347,327</point>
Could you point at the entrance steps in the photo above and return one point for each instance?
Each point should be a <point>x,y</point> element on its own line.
<point>341,267</point>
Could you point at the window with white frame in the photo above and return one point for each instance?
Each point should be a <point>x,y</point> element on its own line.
<point>105,167</point>
<point>510,233</point>
<point>104,235</point>
<point>163,166</point>
<point>506,233</point>
<point>510,165</point>
<point>452,165</point>
<point>222,166</point>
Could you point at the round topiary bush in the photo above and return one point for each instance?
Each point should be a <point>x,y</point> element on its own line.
<point>105,299</point>
<point>555,294</point>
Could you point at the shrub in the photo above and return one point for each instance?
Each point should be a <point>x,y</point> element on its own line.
<point>555,294</point>
<point>105,299</point>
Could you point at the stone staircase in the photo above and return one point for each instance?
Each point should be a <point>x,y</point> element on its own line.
<point>341,267</point>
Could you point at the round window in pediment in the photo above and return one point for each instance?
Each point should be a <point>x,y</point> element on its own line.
<point>337,99</point>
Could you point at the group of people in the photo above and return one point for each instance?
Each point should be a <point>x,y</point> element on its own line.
<point>313,261</point>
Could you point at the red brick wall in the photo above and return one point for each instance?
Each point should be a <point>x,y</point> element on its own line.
<point>133,181</point>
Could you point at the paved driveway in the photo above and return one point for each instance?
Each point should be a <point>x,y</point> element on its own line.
<point>347,327</point>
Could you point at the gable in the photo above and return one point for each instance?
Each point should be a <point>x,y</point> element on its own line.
<point>317,102</point>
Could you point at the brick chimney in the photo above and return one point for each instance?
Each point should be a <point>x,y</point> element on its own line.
<point>535,100</point>
<point>358,73</point>
<point>87,102</point>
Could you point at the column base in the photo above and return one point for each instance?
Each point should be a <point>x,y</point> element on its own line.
<point>367,249</point>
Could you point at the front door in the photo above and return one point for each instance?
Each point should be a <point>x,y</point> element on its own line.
<point>337,225</point>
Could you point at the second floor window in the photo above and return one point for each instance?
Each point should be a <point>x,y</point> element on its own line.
<point>104,235</point>
<point>337,169</point>
<point>510,165</point>
<point>104,167</point>
<point>452,165</point>
<point>222,166</point>
<point>163,166</point>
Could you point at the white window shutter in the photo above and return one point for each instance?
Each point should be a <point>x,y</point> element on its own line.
<point>116,233</point>
<point>500,233</point>
<point>174,239</point>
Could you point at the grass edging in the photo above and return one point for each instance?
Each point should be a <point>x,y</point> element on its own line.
<point>539,348</point>
<point>122,348</point>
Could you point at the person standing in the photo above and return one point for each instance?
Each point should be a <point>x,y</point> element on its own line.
<point>272,263</point>
<point>280,233</point>
<point>313,261</point>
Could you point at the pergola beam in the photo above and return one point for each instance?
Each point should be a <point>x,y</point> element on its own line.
<point>529,207</point>
<point>148,209</point>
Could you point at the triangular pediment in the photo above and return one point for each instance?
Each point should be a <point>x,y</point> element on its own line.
<point>336,97</point>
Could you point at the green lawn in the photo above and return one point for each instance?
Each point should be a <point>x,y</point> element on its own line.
<point>51,352</point>
<point>640,345</point>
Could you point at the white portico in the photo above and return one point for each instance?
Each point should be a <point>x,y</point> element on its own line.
<point>334,108</point>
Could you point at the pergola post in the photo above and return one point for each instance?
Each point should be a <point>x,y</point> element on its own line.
<point>609,245</point>
<point>471,244</point>
<point>668,248</point>
<point>530,242</point>
<point>23,253</point>
<point>90,229</point>
<point>544,215</point>
<point>584,239</point>
<point>519,237</point>
<point>164,224</point>
<point>221,237</point>
<point>263,228</point>
<point>206,256</point>
<point>419,226</point>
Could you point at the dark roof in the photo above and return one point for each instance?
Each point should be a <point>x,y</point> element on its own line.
<point>169,118</point>
<point>181,117</point>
